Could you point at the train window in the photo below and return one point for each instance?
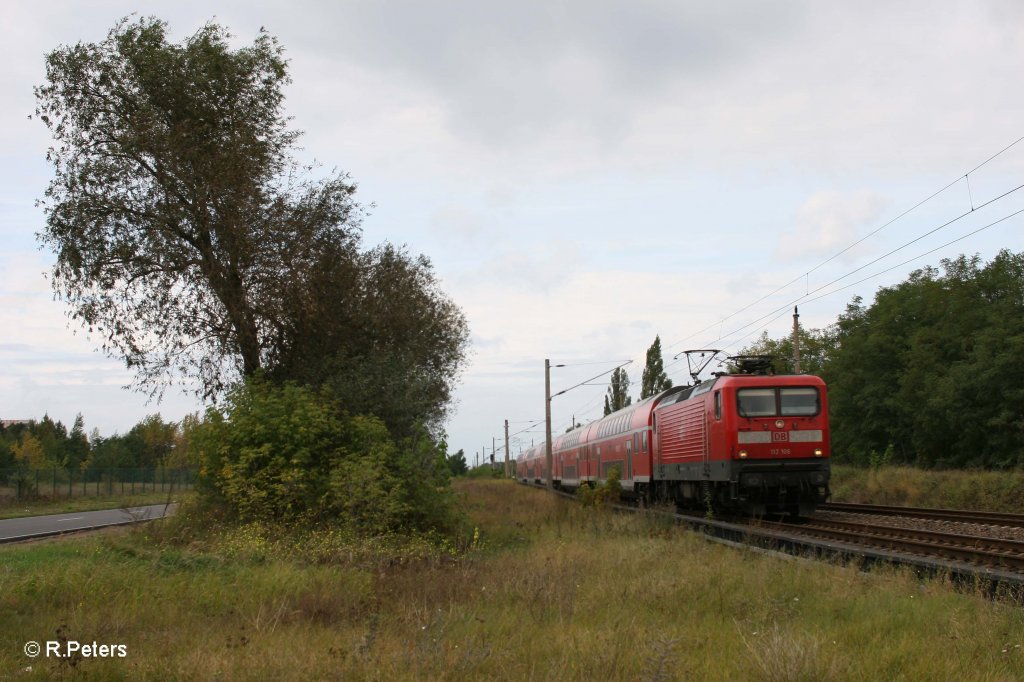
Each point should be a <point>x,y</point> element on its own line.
<point>756,402</point>
<point>636,442</point>
<point>718,404</point>
<point>798,402</point>
<point>645,441</point>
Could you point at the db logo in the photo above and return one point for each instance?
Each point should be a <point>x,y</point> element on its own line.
<point>780,436</point>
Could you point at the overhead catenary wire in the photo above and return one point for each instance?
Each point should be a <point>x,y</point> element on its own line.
<point>783,310</point>
<point>872,262</point>
<point>806,298</point>
<point>806,274</point>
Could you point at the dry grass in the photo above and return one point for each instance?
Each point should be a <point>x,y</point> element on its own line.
<point>550,591</point>
<point>981,490</point>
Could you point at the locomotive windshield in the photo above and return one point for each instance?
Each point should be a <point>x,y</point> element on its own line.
<point>798,402</point>
<point>756,402</point>
<point>778,402</point>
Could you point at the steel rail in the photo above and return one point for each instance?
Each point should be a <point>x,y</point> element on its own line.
<point>995,552</point>
<point>960,515</point>
<point>760,535</point>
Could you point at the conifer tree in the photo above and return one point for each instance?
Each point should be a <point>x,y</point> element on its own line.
<point>654,379</point>
<point>618,392</point>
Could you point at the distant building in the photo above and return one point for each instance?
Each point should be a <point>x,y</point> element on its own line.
<point>7,423</point>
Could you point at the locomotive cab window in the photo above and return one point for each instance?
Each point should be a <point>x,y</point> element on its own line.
<point>756,402</point>
<point>798,402</point>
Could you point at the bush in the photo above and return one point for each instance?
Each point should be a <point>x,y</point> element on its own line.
<point>289,453</point>
<point>608,492</point>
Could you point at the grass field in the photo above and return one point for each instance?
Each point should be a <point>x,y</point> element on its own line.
<point>999,491</point>
<point>544,590</point>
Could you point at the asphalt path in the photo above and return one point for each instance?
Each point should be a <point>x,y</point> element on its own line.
<point>28,527</point>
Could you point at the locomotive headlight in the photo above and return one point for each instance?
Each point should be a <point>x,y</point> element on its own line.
<point>818,452</point>
<point>743,454</point>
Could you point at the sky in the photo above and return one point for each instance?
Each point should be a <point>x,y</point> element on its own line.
<point>583,175</point>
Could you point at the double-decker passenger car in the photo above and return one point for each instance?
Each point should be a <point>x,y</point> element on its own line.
<point>758,443</point>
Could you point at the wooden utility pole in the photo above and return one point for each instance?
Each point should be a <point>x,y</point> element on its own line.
<point>547,419</point>
<point>796,340</point>
<point>506,449</point>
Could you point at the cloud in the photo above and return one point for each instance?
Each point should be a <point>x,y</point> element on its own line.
<point>828,222</point>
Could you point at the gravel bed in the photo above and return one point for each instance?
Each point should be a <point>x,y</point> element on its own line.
<point>980,530</point>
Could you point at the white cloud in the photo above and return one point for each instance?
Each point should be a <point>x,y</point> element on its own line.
<point>828,222</point>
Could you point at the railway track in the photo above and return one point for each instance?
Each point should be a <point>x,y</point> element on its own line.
<point>988,562</point>
<point>975,550</point>
<point>959,515</point>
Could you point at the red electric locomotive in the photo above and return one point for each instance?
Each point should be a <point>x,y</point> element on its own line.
<point>752,442</point>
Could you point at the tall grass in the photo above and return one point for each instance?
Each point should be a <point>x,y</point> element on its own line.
<point>907,486</point>
<point>543,590</point>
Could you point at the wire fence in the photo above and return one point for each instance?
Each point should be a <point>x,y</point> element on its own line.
<point>21,483</point>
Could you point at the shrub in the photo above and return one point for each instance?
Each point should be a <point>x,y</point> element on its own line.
<point>289,453</point>
<point>608,492</point>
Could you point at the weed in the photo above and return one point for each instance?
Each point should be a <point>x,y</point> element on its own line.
<point>782,656</point>
<point>657,667</point>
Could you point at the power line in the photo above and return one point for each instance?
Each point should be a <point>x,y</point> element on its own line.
<point>922,255</point>
<point>872,262</point>
<point>805,298</point>
<point>854,244</point>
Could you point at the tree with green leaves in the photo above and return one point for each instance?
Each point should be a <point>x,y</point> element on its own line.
<point>175,211</point>
<point>379,332</point>
<point>457,463</point>
<point>817,346</point>
<point>654,379</point>
<point>617,395</point>
<point>193,243</point>
<point>76,450</point>
<point>931,370</point>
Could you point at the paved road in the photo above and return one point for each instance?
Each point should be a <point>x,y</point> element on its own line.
<point>12,530</point>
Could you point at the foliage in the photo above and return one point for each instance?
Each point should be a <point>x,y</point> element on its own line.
<point>189,238</point>
<point>617,396</point>
<point>486,471</point>
<point>457,463</point>
<point>289,453</point>
<point>931,371</point>
<point>47,444</point>
<point>28,452</point>
<point>166,210</point>
<point>654,379</point>
<point>376,330</point>
<point>817,347</point>
<point>601,494</point>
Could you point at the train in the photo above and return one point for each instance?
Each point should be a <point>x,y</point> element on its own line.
<point>745,441</point>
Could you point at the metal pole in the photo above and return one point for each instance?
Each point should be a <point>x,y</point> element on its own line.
<point>796,340</point>
<point>547,419</point>
<point>506,449</point>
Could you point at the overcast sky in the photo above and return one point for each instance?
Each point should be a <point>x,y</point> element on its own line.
<point>583,175</point>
